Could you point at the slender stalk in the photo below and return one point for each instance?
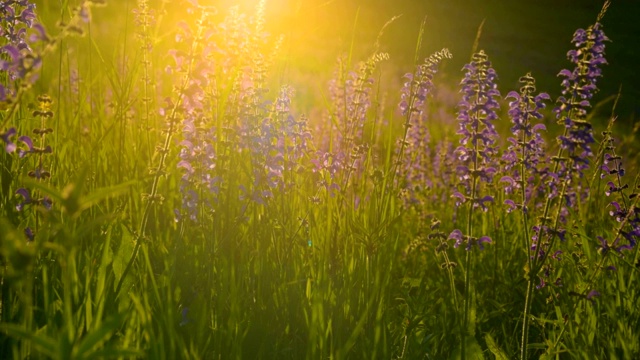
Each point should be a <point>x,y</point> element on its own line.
<point>600,266</point>
<point>468,260</point>
<point>153,197</point>
<point>525,224</point>
<point>536,262</point>
<point>525,321</point>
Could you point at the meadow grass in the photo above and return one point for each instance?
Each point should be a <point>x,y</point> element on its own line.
<point>163,197</point>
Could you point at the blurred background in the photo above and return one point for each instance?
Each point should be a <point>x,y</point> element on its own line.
<point>519,36</point>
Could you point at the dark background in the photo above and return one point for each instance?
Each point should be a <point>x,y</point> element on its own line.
<point>519,36</point>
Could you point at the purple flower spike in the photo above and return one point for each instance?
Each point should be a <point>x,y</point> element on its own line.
<point>579,86</point>
<point>415,159</point>
<point>524,159</point>
<point>476,154</point>
<point>626,216</point>
<point>477,111</point>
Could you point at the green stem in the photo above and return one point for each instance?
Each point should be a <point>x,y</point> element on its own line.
<point>157,172</point>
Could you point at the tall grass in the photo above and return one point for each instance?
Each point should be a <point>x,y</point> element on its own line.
<point>164,197</point>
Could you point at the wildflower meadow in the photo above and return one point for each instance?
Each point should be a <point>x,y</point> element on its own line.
<point>176,183</point>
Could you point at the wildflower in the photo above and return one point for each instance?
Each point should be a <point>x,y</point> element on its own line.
<point>621,209</point>
<point>477,112</point>
<point>184,315</point>
<point>592,294</point>
<point>527,145</point>
<point>413,150</point>
<point>28,232</point>
<point>28,200</point>
<point>468,241</point>
<point>579,86</point>
<point>6,137</point>
<point>477,150</point>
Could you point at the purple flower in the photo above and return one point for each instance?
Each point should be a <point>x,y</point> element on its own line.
<point>6,137</point>
<point>477,150</point>
<point>20,62</point>
<point>419,85</point>
<point>26,198</point>
<point>468,241</point>
<point>477,112</point>
<point>184,314</point>
<point>626,216</point>
<point>592,294</point>
<point>29,143</point>
<point>524,158</point>
<point>579,86</point>
<point>198,161</point>
<point>28,232</point>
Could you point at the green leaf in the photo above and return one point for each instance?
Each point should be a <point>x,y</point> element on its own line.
<point>105,192</point>
<point>41,343</point>
<point>96,337</point>
<point>71,197</point>
<point>494,348</point>
<point>472,349</point>
<point>116,353</point>
<point>125,249</point>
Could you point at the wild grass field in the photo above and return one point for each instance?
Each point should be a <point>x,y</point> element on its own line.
<point>187,180</point>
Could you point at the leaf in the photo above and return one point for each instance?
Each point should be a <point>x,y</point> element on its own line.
<point>96,337</point>
<point>494,348</point>
<point>41,343</point>
<point>71,197</point>
<point>105,192</point>
<point>473,315</point>
<point>125,249</point>
<point>117,353</point>
<point>100,287</point>
<point>472,349</point>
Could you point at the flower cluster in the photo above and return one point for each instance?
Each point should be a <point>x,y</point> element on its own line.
<point>253,129</point>
<point>16,17</point>
<point>419,84</point>
<point>40,171</point>
<point>415,157</point>
<point>477,150</point>
<point>468,241</point>
<point>624,209</point>
<point>524,158</point>
<point>276,145</point>
<point>579,86</point>
<point>350,93</point>
<point>198,159</point>
<point>19,61</point>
